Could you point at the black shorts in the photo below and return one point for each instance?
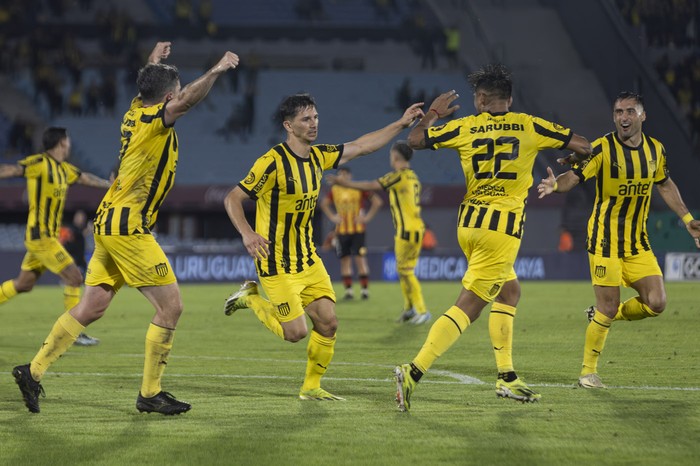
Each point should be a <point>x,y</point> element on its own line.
<point>350,245</point>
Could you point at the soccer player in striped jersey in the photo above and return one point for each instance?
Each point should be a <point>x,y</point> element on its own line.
<point>497,150</point>
<point>285,183</point>
<point>350,219</point>
<point>49,175</point>
<point>125,250</point>
<point>404,190</point>
<point>626,163</point>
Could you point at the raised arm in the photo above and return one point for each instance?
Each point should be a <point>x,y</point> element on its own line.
<point>372,185</point>
<point>256,245</point>
<point>440,108</point>
<point>194,92</point>
<point>670,194</point>
<point>370,142</point>
<point>10,171</point>
<point>88,179</point>
<point>160,52</point>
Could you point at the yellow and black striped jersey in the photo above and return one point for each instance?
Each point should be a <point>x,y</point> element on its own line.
<point>624,175</point>
<point>497,152</point>
<point>348,203</point>
<point>286,187</point>
<point>404,190</point>
<point>47,185</point>
<point>148,160</point>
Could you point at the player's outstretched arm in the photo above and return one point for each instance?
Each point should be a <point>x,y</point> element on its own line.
<point>371,185</point>
<point>160,52</point>
<point>194,92</point>
<point>670,194</point>
<point>561,184</point>
<point>370,142</point>
<point>10,171</point>
<point>88,179</point>
<point>581,150</point>
<point>440,108</point>
<point>256,245</point>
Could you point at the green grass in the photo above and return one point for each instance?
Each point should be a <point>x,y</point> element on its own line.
<point>243,383</point>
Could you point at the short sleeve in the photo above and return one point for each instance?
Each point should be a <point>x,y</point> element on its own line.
<point>661,174</point>
<point>589,168</point>
<point>33,166</point>
<point>330,155</point>
<point>447,135</point>
<point>389,180</point>
<point>261,177</point>
<point>550,135</point>
<point>72,173</point>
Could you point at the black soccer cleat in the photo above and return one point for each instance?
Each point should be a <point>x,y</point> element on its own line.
<point>30,388</point>
<point>163,403</point>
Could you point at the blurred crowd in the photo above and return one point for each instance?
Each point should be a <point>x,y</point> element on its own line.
<point>671,30</point>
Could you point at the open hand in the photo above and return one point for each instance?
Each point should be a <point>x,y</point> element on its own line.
<point>546,187</point>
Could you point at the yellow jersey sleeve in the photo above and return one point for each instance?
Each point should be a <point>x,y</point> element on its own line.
<point>550,135</point>
<point>330,155</point>
<point>261,178</point>
<point>389,179</point>
<point>661,174</point>
<point>33,166</point>
<point>72,173</point>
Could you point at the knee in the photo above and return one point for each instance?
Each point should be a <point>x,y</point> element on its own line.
<point>295,335</point>
<point>657,303</point>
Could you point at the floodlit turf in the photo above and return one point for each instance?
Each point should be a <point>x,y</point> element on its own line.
<point>243,384</point>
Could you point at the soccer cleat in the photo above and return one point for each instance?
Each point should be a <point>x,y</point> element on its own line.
<point>86,340</point>
<point>318,394</point>
<point>406,316</point>
<point>590,312</point>
<point>30,388</point>
<point>163,403</point>
<point>517,390</point>
<point>419,319</point>
<point>236,300</point>
<point>348,294</point>
<point>404,386</point>
<point>590,381</point>
<point>365,294</point>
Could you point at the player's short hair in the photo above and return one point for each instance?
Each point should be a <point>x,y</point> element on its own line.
<point>624,95</point>
<point>293,104</point>
<point>52,136</point>
<point>403,149</point>
<point>155,80</point>
<point>493,79</point>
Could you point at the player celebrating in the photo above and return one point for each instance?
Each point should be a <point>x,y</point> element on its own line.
<point>497,149</point>
<point>625,163</point>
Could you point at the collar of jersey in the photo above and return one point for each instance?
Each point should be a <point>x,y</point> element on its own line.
<point>617,138</point>
<point>289,149</point>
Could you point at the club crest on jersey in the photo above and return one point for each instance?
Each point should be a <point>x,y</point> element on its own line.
<point>250,178</point>
<point>599,271</point>
<point>161,269</point>
<point>283,309</point>
<point>494,289</point>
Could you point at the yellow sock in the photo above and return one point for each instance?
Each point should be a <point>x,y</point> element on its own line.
<point>404,292</point>
<point>320,351</point>
<point>7,291</point>
<point>265,312</point>
<point>634,309</point>
<point>501,331</point>
<point>415,295</point>
<point>596,333</point>
<point>62,336</point>
<point>159,342</point>
<point>71,297</point>
<point>443,334</point>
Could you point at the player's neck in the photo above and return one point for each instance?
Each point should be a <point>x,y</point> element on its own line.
<point>299,147</point>
<point>58,157</point>
<point>633,141</point>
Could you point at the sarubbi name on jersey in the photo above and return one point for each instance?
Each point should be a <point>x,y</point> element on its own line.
<point>497,127</point>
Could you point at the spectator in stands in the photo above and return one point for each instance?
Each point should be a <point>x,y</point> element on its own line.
<point>21,136</point>
<point>346,208</point>
<point>625,163</point>
<point>491,217</point>
<point>404,190</point>
<point>48,177</point>
<point>452,40</point>
<point>286,182</point>
<point>125,251</point>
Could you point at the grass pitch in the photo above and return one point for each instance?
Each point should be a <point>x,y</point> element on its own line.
<point>243,383</point>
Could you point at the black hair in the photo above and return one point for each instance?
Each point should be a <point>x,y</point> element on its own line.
<point>494,79</point>
<point>293,104</point>
<point>52,136</point>
<point>624,95</point>
<point>155,80</point>
<point>403,149</point>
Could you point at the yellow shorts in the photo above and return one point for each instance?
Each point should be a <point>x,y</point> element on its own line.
<point>136,260</point>
<point>46,253</point>
<point>615,271</point>
<point>407,252</point>
<point>291,293</point>
<point>490,258</point>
